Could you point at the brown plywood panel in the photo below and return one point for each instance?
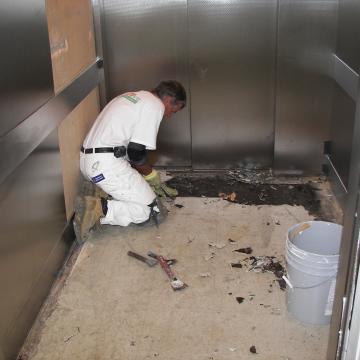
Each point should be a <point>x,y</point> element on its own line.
<point>72,132</point>
<point>72,45</point>
<point>71,36</point>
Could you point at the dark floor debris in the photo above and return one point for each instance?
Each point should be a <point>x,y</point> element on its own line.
<point>236,265</point>
<point>263,264</point>
<point>233,187</point>
<point>68,338</point>
<point>281,283</point>
<point>253,349</point>
<point>266,264</point>
<point>247,250</point>
<point>179,206</point>
<point>250,175</point>
<point>231,241</point>
<point>239,299</point>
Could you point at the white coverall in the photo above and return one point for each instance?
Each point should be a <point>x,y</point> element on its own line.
<point>131,117</point>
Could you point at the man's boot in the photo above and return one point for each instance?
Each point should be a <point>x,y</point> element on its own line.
<point>88,211</point>
<point>100,193</point>
<point>158,213</point>
<point>87,188</point>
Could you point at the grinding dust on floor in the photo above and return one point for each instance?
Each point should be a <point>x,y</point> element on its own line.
<point>112,306</point>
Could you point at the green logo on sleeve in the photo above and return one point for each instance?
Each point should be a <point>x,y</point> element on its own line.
<point>131,97</point>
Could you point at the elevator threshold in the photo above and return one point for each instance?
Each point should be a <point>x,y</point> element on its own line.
<point>112,306</point>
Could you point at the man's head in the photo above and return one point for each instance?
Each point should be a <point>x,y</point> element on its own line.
<point>173,96</point>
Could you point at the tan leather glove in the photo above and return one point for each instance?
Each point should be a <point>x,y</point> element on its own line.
<point>160,188</point>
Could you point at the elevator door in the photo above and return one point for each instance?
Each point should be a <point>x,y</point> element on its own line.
<point>232,55</point>
<point>224,54</point>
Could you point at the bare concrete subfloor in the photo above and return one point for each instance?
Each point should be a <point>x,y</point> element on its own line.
<point>115,307</point>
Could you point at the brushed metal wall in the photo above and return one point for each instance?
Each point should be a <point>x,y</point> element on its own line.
<point>343,117</point>
<point>341,133</point>
<point>146,42</point>
<point>307,39</point>
<point>31,197</point>
<point>26,75</point>
<point>232,57</point>
<point>348,42</point>
<point>34,236</point>
<point>33,130</point>
<point>32,221</point>
<point>345,155</point>
<point>33,243</point>
<point>349,261</point>
<point>255,70</point>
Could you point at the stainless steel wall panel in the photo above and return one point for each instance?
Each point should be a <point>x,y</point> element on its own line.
<point>337,186</point>
<point>307,36</point>
<point>346,77</point>
<point>346,68</point>
<point>19,329</point>
<point>232,56</point>
<point>32,222</point>
<point>349,251</point>
<point>26,76</point>
<point>146,42</point>
<point>97,10</point>
<point>32,131</point>
<point>345,156</point>
<point>33,212</point>
<point>343,120</point>
<point>348,48</point>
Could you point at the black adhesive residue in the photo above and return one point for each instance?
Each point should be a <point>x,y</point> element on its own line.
<point>247,193</point>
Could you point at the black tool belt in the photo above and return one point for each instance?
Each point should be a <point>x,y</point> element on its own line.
<point>118,151</point>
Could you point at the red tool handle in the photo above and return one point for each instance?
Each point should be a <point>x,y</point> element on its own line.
<point>166,267</point>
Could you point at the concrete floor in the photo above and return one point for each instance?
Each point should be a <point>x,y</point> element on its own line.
<point>112,306</point>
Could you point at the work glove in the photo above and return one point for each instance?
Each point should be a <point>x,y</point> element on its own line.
<point>160,188</point>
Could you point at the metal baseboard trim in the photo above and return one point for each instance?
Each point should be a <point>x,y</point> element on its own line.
<point>338,187</point>
<point>346,77</point>
<point>16,145</point>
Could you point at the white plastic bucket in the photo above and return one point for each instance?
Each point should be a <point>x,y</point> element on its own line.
<point>312,256</point>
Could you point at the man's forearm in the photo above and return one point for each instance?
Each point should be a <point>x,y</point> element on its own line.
<point>145,169</point>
